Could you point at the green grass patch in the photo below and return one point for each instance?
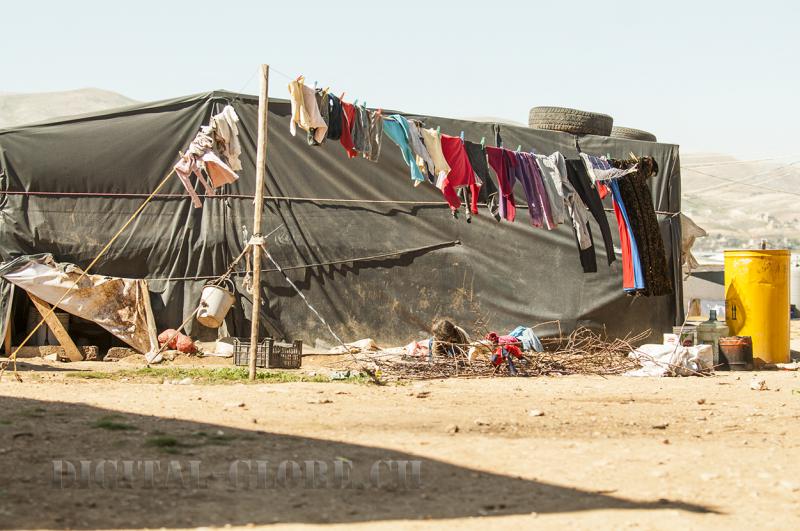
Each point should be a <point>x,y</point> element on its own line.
<point>5,422</point>
<point>166,443</point>
<point>210,375</point>
<point>34,413</point>
<point>112,423</point>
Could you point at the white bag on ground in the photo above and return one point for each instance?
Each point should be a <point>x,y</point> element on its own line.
<point>671,360</point>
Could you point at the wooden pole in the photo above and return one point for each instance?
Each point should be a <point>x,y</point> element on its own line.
<point>261,170</point>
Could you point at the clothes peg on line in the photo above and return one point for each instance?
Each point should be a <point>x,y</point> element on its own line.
<point>364,104</point>
<point>342,96</point>
<point>355,102</point>
<point>483,141</point>
<point>462,136</point>
<point>438,130</point>
<point>315,85</point>
<point>519,147</point>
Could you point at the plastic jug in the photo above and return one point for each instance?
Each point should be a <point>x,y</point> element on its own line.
<point>709,332</point>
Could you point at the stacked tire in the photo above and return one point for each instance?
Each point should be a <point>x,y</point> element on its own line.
<point>569,120</point>
<point>632,134</point>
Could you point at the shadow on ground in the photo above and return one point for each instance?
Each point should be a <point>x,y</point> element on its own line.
<point>35,433</point>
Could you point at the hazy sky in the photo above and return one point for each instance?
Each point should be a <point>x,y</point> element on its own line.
<point>712,76</point>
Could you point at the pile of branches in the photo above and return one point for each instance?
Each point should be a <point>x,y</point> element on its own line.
<point>584,351</point>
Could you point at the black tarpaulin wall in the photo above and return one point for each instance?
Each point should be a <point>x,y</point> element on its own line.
<point>509,273</point>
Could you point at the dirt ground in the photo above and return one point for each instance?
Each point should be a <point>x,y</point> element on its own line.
<point>611,452</point>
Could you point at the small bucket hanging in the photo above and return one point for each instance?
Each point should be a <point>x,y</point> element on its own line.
<point>215,301</point>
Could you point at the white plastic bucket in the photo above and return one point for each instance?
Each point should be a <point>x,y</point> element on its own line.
<point>215,301</point>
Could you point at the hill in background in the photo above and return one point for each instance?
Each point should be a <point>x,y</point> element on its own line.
<point>20,109</point>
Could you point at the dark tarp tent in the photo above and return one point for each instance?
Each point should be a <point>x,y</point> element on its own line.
<point>66,186</point>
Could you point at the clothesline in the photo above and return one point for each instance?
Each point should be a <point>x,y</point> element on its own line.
<point>267,197</point>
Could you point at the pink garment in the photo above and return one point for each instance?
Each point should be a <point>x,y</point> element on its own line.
<point>201,156</point>
<point>219,172</point>
<point>508,340</point>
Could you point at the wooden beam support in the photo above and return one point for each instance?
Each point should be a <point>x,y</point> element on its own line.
<point>58,329</point>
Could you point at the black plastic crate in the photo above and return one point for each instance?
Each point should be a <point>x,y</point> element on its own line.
<point>285,355</point>
<point>241,352</point>
<point>269,354</point>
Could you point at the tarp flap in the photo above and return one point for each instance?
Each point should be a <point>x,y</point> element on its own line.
<point>121,306</point>
<point>507,273</point>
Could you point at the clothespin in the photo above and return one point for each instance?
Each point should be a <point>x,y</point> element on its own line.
<point>355,102</point>
<point>608,155</point>
<point>483,141</point>
<point>315,85</point>
<point>438,130</point>
<point>364,104</point>
<point>519,147</point>
<point>342,96</point>
<point>462,136</point>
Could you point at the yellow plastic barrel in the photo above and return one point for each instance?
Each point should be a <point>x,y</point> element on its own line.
<point>757,301</point>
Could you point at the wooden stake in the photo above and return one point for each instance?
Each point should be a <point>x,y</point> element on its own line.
<point>261,170</point>
<point>58,329</point>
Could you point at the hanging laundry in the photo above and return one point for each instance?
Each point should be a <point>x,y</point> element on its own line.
<point>503,168</point>
<point>600,169</point>
<point>564,200</point>
<point>644,225</point>
<point>349,113</point>
<point>324,109</point>
<point>434,146</point>
<point>579,178</point>
<point>375,135</point>
<point>396,128</point>
<point>540,191</point>
<point>520,172</point>
<point>632,276</point>
<point>488,192</point>
<point>361,138</point>
<point>201,156</point>
<point>551,168</point>
<point>335,117</point>
<point>305,111</point>
<point>460,175</point>
<point>226,136</point>
<point>421,155</point>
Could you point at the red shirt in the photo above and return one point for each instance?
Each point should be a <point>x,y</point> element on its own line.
<point>347,137</point>
<point>461,173</point>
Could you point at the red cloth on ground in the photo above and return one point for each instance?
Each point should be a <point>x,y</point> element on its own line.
<point>461,173</point>
<point>511,350</point>
<point>499,163</point>
<point>346,139</point>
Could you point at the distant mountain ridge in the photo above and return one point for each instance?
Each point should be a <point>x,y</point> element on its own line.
<point>20,109</point>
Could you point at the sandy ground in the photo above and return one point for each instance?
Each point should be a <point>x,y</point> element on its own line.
<point>606,453</point>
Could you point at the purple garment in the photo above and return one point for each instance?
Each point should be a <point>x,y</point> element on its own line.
<point>521,172</point>
<point>541,191</point>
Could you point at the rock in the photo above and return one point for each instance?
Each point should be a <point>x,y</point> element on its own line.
<point>536,413</point>
<point>185,381</point>
<point>660,426</point>
<point>758,384</point>
<point>90,353</point>
<point>665,441</point>
<point>701,401</point>
<point>451,429</point>
<point>235,404</point>
<point>481,422</point>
